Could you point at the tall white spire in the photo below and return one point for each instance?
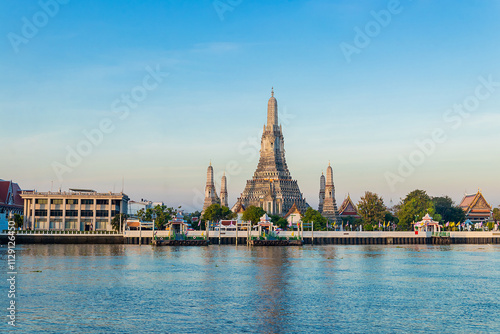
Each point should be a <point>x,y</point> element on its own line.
<point>210,192</point>
<point>223,191</point>
<point>272,111</point>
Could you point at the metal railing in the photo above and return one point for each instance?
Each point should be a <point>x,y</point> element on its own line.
<point>441,234</point>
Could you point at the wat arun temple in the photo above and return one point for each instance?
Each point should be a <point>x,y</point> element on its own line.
<point>272,186</point>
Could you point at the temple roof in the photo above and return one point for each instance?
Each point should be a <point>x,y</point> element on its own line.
<point>238,207</point>
<point>475,203</point>
<point>293,209</point>
<point>348,208</point>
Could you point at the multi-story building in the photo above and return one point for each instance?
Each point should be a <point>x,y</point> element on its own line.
<point>76,210</point>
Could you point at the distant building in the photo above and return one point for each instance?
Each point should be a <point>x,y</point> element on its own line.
<point>294,215</point>
<point>239,209</point>
<point>10,202</point>
<point>77,210</point>
<point>476,207</point>
<point>348,209</point>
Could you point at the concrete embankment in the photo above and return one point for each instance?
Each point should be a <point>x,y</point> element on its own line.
<point>229,238</point>
<point>64,239</point>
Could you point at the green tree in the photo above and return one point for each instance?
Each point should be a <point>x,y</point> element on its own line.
<point>194,224</point>
<point>145,215</point>
<point>162,215</point>
<point>119,220</point>
<point>389,217</point>
<point>413,207</point>
<point>445,208</point>
<point>496,214</point>
<point>279,221</point>
<point>18,220</point>
<point>371,208</point>
<point>215,212</point>
<point>313,216</point>
<point>252,214</point>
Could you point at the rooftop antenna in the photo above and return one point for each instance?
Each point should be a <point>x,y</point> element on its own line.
<point>123,181</point>
<point>51,185</point>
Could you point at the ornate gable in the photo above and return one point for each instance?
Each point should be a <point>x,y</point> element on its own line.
<point>348,208</point>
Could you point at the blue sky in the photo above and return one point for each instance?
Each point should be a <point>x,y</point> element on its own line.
<point>365,113</point>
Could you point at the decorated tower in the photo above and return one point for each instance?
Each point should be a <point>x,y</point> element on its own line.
<point>223,191</point>
<point>210,193</point>
<point>321,192</point>
<point>272,187</point>
<point>330,210</point>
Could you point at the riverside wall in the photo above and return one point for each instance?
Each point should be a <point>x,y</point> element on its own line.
<point>230,238</point>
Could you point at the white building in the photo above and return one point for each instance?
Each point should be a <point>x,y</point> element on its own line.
<point>77,210</point>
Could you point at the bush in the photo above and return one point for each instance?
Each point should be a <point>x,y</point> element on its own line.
<point>367,227</point>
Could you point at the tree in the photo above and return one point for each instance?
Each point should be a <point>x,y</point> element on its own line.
<point>163,215</point>
<point>313,216</point>
<point>215,212</point>
<point>445,208</point>
<point>18,220</point>
<point>415,205</point>
<point>145,215</point>
<point>371,208</point>
<point>196,214</point>
<point>389,217</point>
<point>252,214</point>
<point>118,220</point>
<point>279,221</point>
<point>496,214</point>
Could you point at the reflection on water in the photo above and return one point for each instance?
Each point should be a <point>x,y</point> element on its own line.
<point>370,288</point>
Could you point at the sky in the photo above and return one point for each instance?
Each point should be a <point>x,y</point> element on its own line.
<point>143,95</point>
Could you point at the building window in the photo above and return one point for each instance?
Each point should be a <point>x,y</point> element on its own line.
<point>71,213</point>
<point>102,202</point>
<point>100,225</point>
<point>87,201</point>
<point>116,202</point>
<point>41,201</point>
<point>87,213</point>
<point>41,213</point>
<point>70,225</point>
<point>102,213</point>
<point>56,213</point>
<point>114,213</point>
<point>56,201</point>
<point>71,201</point>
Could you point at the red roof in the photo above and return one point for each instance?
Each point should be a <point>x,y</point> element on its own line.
<point>293,209</point>
<point>10,193</point>
<point>475,203</point>
<point>348,208</point>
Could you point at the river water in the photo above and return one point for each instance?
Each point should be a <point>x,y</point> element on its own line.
<point>229,289</point>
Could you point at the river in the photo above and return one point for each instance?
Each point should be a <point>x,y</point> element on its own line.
<point>229,289</point>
